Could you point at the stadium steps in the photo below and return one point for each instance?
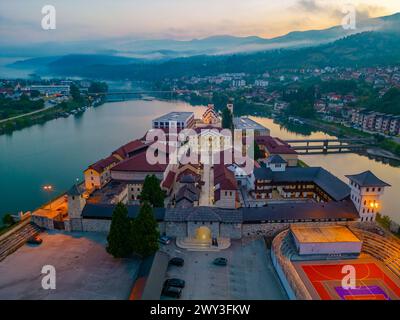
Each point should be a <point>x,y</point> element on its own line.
<point>17,240</point>
<point>384,249</point>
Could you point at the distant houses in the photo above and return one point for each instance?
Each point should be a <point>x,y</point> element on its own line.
<point>375,121</point>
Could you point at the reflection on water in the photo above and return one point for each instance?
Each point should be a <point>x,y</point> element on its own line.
<point>346,163</point>
<point>58,151</point>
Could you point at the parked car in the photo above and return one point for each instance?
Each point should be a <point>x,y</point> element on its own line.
<point>177,262</point>
<point>172,292</point>
<point>164,240</point>
<point>35,240</point>
<point>220,261</point>
<point>179,283</point>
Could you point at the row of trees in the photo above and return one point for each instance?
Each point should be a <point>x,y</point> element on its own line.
<point>139,235</point>
<point>127,236</point>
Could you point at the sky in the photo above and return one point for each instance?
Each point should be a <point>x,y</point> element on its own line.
<point>20,20</point>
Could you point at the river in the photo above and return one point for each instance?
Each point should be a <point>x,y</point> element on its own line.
<point>58,151</point>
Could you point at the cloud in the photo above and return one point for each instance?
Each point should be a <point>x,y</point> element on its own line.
<point>308,5</point>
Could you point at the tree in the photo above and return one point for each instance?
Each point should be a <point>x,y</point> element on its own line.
<point>144,232</point>
<point>227,119</point>
<point>258,154</point>
<point>75,93</point>
<point>8,220</point>
<point>35,94</point>
<point>98,87</point>
<point>152,193</point>
<point>119,237</point>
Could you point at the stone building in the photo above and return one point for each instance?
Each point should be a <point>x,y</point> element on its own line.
<point>366,192</point>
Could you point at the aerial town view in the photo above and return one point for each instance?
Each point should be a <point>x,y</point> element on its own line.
<point>200,151</point>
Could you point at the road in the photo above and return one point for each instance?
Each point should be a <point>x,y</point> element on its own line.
<point>47,107</point>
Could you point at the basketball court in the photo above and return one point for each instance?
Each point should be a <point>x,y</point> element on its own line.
<point>374,281</point>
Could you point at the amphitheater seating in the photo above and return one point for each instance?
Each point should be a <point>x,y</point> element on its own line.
<point>385,249</point>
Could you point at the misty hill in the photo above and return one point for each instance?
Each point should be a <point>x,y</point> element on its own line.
<point>378,47</point>
<point>365,49</point>
<point>216,45</point>
<point>72,63</point>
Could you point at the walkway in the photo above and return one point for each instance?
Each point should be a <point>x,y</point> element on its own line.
<point>207,188</point>
<point>49,106</point>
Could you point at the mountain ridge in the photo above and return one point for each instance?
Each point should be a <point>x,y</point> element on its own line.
<point>148,49</point>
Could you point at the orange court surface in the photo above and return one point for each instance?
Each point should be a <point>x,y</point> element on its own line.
<point>374,281</point>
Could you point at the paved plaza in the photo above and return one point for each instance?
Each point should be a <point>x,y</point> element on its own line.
<point>84,270</point>
<point>248,275</point>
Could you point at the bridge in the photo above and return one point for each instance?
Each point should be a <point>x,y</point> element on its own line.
<point>123,95</point>
<point>324,146</point>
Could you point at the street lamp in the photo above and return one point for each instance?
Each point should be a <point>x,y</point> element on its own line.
<point>48,188</point>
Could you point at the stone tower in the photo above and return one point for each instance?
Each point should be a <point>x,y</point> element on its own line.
<point>366,192</point>
<point>76,203</point>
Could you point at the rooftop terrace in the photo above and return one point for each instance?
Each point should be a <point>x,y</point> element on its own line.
<point>247,123</point>
<point>323,234</point>
<point>174,116</point>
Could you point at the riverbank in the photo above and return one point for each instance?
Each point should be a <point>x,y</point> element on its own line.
<point>61,110</point>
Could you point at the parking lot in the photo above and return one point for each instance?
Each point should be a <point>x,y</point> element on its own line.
<point>84,270</point>
<point>248,275</point>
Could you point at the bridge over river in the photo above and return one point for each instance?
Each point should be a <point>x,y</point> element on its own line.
<point>323,146</point>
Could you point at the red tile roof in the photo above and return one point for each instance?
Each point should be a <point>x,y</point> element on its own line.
<point>275,145</point>
<point>102,164</point>
<point>169,180</point>
<point>139,163</point>
<point>130,147</point>
<point>224,177</point>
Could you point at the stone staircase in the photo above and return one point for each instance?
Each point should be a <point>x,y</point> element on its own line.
<point>195,245</point>
<point>17,239</point>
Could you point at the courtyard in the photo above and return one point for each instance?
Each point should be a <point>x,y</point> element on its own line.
<point>248,275</point>
<point>84,270</point>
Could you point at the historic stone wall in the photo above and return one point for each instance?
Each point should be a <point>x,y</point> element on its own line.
<point>100,225</point>
<point>176,229</point>
<point>96,225</point>
<point>43,222</point>
<point>231,230</point>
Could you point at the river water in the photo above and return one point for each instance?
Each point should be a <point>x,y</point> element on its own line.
<point>58,151</point>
